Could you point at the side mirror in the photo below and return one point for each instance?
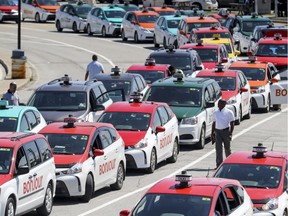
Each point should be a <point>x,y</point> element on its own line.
<point>210,104</point>
<point>124,213</point>
<point>159,129</point>
<point>132,22</point>
<point>22,170</point>
<point>237,52</point>
<point>181,32</point>
<point>98,152</point>
<point>274,80</point>
<point>242,89</point>
<point>198,67</point>
<point>98,108</point>
<point>224,60</point>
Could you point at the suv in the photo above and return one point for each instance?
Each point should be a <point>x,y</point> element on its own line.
<point>193,100</point>
<point>83,99</point>
<point>27,173</point>
<point>186,60</point>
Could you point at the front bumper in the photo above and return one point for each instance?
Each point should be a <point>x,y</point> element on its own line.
<point>258,101</point>
<point>69,185</point>
<point>9,17</point>
<point>267,213</point>
<point>48,16</point>
<point>189,134</point>
<point>114,30</point>
<point>145,35</point>
<point>137,159</point>
<point>234,109</point>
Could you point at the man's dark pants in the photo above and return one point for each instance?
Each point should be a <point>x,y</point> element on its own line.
<point>222,136</point>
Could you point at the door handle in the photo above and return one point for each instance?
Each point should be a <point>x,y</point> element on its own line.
<point>30,177</point>
<point>35,174</point>
<point>105,157</point>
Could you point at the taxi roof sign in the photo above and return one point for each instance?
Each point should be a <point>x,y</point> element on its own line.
<point>252,58</point>
<point>136,97</point>
<point>150,62</point>
<point>260,150</point>
<point>277,36</point>
<point>213,26</point>
<point>3,104</point>
<point>184,179</point>
<point>115,71</point>
<point>70,122</point>
<point>216,36</point>
<point>219,68</point>
<point>179,75</point>
<point>199,42</point>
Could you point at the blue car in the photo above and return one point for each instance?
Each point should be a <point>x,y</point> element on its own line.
<point>20,118</point>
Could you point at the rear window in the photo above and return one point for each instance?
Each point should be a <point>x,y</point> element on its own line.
<point>8,124</point>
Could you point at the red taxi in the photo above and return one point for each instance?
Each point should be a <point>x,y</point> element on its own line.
<point>210,54</point>
<point>274,50</point>
<point>8,11</point>
<point>264,176</point>
<point>88,157</point>
<point>235,90</point>
<point>150,70</point>
<point>189,196</point>
<point>149,129</point>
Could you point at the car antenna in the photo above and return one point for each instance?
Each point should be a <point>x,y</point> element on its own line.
<point>272,146</point>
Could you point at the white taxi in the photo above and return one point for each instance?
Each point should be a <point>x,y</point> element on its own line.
<point>27,174</point>
<point>139,25</point>
<point>88,157</point>
<point>150,132</point>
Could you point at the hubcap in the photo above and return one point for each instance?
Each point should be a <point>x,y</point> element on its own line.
<point>120,175</point>
<point>48,199</point>
<point>153,158</point>
<point>10,209</point>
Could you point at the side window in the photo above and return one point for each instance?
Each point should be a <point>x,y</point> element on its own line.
<point>139,83</point>
<point>212,93</point>
<point>169,111</point>
<point>44,149</point>
<point>97,93</point>
<point>207,96</point>
<point>160,21</point>
<point>105,96</point>
<point>113,134</point>
<point>232,198</point>
<point>243,80</point>
<point>105,137</point>
<point>24,126</point>
<point>32,119</point>
<point>217,89</point>
<point>156,121</point>
<point>21,159</point>
<point>32,154</point>
<point>164,115</point>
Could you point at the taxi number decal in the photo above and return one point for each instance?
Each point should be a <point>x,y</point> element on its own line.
<point>5,149</point>
<point>107,166</point>
<point>206,198</point>
<point>165,141</point>
<point>32,185</point>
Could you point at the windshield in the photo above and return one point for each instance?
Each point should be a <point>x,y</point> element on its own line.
<point>48,2</point>
<point>82,11</point>
<point>114,14</point>
<point>272,50</point>
<point>59,101</point>
<point>8,124</point>
<point>130,121</point>
<point>147,18</point>
<point>248,26</point>
<point>149,75</point>
<point>173,23</point>
<point>117,84</point>
<point>225,83</point>
<point>165,13</point>
<point>201,25</point>
<point>173,204</point>
<point>176,96</point>
<point>210,35</point>
<point>7,3</point>
<point>180,62</point>
<point>252,73</point>
<point>252,175</point>
<point>70,144</point>
<point>207,55</point>
<point>5,159</point>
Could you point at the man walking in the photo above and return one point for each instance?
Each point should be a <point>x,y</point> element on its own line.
<point>93,68</point>
<point>222,129</point>
<point>11,95</point>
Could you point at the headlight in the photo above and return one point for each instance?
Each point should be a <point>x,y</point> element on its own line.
<point>232,100</point>
<point>14,11</point>
<point>260,89</point>
<point>143,29</point>
<point>190,121</point>
<point>77,168</point>
<point>271,205</point>
<point>141,144</point>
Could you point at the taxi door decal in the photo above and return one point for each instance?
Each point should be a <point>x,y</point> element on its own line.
<point>165,141</point>
<point>107,167</point>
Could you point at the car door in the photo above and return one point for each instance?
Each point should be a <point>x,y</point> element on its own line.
<point>28,9</point>
<point>71,16</point>
<point>245,96</point>
<point>92,19</point>
<point>64,16</point>
<point>129,25</point>
<point>158,30</point>
<point>100,17</point>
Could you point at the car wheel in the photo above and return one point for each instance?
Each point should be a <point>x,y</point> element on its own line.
<point>238,121</point>
<point>285,213</point>
<point>155,43</point>
<point>37,18</point>
<point>276,107</point>
<point>89,189</point>
<point>103,32</point>
<point>174,156</point>
<point>119,179</point>
<point>47,206</point>
<point>248,115</point>
<point>175,44</point>
<point>153,161</point>
<point>267,108</point>
<point>136,39</point>
<point>89,32</point>
<point>10,207</point>
<point>74,27</point>
<point>123,35</point>
<point>58,26</point>
<point>201,142</point>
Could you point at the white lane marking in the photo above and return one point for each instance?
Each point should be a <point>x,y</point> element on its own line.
<point>182,168</point>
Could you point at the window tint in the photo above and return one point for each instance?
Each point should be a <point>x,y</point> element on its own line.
<point>164,115</point>
<point>45,152</point>
<point>32,119</point>
<point>156,121</point>
<point>97,92</point>
<point>24,126</point>
<point>113,134</point>
<point>169,111</point>
<point>21,159</point>
<point>105,96</point>
<point>211,92</point>
<point>32,154</point>
<point>207,96</point>
<point>105,138</point>
<point>139,83</point>
<point>217,90</point>
<point>232,198</point>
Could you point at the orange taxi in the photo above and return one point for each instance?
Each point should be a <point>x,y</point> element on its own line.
<point>163,11</point>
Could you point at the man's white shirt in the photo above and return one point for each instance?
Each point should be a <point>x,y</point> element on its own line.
<point>223,118</point>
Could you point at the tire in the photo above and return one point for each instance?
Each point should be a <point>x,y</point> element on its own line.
<point>201,142</point>
<point>155,43</point>
<point>267,109</point>
<point>238,121</point>
<point>276,107</point>
<point>37,18</point>
<point>248,115</point>
<point>119,179</point>
<point>74,27</point>
<point>174,156</point>
<point>136,39</point>
<point>89,32</point>
<point>153,161</point>
<point>175,44</point>
<point>10,207</point>
<point>123,35</point>
<point>285,213</point>
<point>164,43</point>
<point>103,32</point>
<point>47,206</point>
<point>58,26</point>
<point>89,189</point>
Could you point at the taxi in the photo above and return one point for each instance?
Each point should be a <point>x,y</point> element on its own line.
<point>72,16</point>
<point>184,195</point>
<point>274,50</point>
<point>193,100</point>
<point>235,90</point>
<point>163,11</point>
<point>8,11</point>
<point>20,118</point>
<point>232,53</point>
<point>117,80</point>
<point>149,130</point>
<point>165,30</point>
<point>264,176</point>
<point>150,71</point>
<point>190,13</point>
<point>261,76</point>
<point>39,10</point>
<point>242,27</point>
<point>221,15</point>
<point>187,24</point>
<point>126,6</point>
<point>88,156</point>
<point>210,54</point>
<point>27,174</point>
<point>139,25</point>
<point>105,21</point>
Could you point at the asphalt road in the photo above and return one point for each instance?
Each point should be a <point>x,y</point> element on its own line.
<point>54,54</point>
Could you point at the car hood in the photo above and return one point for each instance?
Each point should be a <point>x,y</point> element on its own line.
<point>173,31</point>
<point>61,159</point>
<point>132,137</point>
<point>277,61</point>
<point>4,178</point>
<point>58,116</point>
<point>147,25</point>
<point>257,194</point>
<point>8,9</point>
<point>185,112</point>
<point>51,9</point>
<point>256,84</point>
<point>226,95</point>
<point>115,20</point>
